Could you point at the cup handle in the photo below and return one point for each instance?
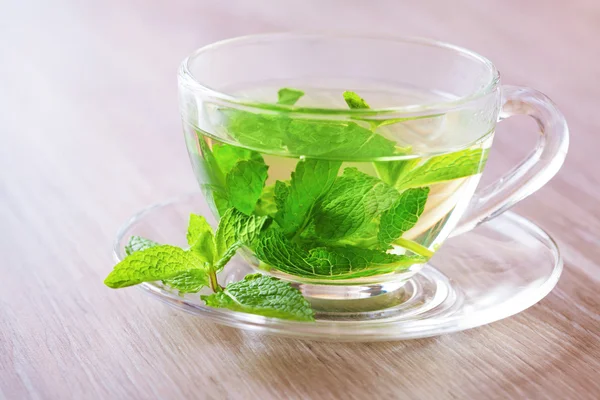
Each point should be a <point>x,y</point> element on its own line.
<point>535,170</point>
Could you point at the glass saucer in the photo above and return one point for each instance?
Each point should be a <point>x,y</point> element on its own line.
<point>492,272</point>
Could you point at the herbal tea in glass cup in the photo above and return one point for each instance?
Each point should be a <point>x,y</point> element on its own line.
<point>362,155</point>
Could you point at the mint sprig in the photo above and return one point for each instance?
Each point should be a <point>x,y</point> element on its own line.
<point>190,270</point>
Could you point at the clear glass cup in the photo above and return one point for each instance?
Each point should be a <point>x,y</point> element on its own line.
<point>419,150</point>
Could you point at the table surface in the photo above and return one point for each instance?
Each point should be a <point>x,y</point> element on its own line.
<point>90,133</point>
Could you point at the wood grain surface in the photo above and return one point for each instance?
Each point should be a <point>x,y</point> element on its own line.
<point>90,133</point>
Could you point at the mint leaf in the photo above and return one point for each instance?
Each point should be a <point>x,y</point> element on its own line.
<point>244,184</point>
<point>354,101</point>
<point>236,229</point>
<point>138,243</point>
<point>310,181</point>
<point>201,239</point>
<point>318,138</point>
<point>354,200</point>
<point>280,194</point>
<point>263,295</point>
<point>190,281</point>
<point>403,215</point>
<point>445,168</point>
<point>211,172</point>
<point>256,129</point>
<point>354,262</point>
<point>152,264</point>
<point>391,171</point>
<point>315,138</point>
<point>266,202</point>
<point>289,96</point>
<point>344,262</point>
<point>226,156</point>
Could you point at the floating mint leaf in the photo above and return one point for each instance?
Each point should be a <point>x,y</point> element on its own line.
<point>354,101</point>
<point>391,171</point>
<point>309,183</point>
<point>245,183</point>
<point>403,215</point>
<point>321,138</point>
<point>152,264</point>
<point>258,130</point>
<point>444,168</point>
<point>289,96</point>
<point>138,243</point>
<point>263,295</point>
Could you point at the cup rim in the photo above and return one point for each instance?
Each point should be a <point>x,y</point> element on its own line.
<point>187,78</point>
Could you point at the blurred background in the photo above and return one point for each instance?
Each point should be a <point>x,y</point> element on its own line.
<point>90,133</point>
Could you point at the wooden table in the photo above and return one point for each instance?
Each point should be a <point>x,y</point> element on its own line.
<point>90,133</point>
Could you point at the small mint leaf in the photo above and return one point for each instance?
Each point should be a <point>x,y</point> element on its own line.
<point>289,96</point>
<point>201,239</point>
<point>354,101</point>
<point>263,295</point>
<point>245,183</point>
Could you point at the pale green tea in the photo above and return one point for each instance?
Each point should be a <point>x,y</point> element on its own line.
<point>343,199</point>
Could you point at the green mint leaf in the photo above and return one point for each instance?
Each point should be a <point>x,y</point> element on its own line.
<point>354,262</point>
<point>227,156</point>
<point>310,181</point>
<point>245,182</point>
<point>190,281</point>
<point>336,139</point>
<point>315,138</point>
<point>236,229</point>
<point>289,96</point>
<point>138,243</point>
<point>263,295</point>
<point>354,200</point>
<point>354,101</point>
<point>391,171</point>
<point>280,194</point>
<point>445,168</point>
<point>266,206</point>
<point>256,129</point>
<point>403,215</point>
<point>201,239</point>
<point>156,263</point>
<point>343,262</point>
<point>210,171</point>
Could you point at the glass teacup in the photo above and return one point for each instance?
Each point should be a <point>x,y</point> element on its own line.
<point>363,153</point>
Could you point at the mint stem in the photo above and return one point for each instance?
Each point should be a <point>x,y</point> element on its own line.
<point>414,247</point>
<point>214,284</point>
